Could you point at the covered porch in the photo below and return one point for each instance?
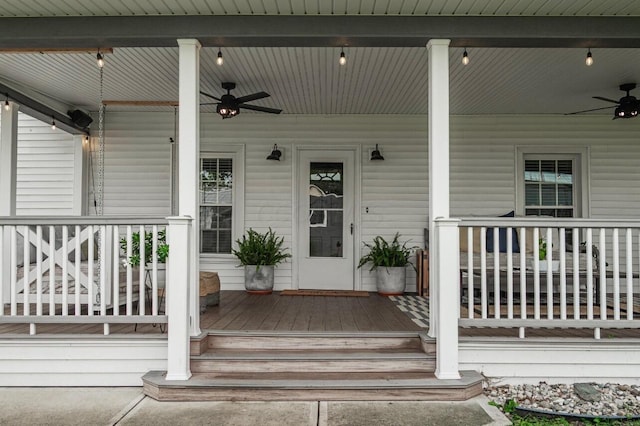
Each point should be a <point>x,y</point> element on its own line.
<point>456,142</point>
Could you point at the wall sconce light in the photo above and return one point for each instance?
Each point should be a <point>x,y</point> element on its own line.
<point>275,154</point>
<point>375,155</point>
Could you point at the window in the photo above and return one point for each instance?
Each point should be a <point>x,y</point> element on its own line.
<point>549,187</point>
<point>552,181</point>
<point>216,204</point>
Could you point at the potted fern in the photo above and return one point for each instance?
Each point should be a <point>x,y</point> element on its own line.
<point>259,253</point>
<point>390,260</point>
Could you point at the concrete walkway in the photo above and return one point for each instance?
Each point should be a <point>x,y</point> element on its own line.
<point>128,406</point>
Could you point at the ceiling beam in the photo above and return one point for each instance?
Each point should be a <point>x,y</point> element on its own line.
<point>42,112</point>
<point>316,31</point>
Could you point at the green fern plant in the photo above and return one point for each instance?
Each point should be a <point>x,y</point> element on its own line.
<point>387,254</point>
<point>260,249</point>
<point>162,251</point>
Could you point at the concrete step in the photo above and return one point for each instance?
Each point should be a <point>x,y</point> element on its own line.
<point>258,361</point>
<point>311,386</point>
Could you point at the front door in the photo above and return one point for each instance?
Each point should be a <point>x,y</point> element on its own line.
<point>326,219</point>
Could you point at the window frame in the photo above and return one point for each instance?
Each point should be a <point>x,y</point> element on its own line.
<point>580,158</point>
<point>236,154</point>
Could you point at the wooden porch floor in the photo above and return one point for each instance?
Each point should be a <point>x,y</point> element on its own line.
<point>239,311</point>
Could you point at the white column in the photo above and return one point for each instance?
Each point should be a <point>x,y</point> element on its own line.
<point>448,285</point>
<point>8,164</point>
<point>188,163</point>
<point>177,302</point>
<point>438,62</point>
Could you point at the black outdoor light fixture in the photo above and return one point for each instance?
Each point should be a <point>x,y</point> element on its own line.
<point>375,155</point>
<point>275,153</point>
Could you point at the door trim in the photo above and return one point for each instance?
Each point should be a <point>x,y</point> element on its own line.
<point>357,209</point>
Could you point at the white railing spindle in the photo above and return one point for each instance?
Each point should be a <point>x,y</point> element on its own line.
<point>549,262</point>
<point>629,263</point>
<point>90,272</point>
<point>129,271</point>
<point>616,275</point>
<point>563,274</point>
<point>26,268</point>
<point>65,275</point>
<point>576,273</point>
<point>38,270</point>
<point>589,259</point>
<point>483,271</point>
<point>509,272</point>
<point>536,273</point>
<point>142,268</point>
<point>154,274</point>
<point>78,264</point>
<point>496,272</point>
<point>116,270</point>
<point>52,270</point>
<point>14,270</point>
<point>470,274</point>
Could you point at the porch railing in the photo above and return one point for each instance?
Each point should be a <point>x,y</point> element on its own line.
<point>80,270</point>
<point>549,273</point>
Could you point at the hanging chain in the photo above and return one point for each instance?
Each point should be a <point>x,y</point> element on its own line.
<point>100,184</point>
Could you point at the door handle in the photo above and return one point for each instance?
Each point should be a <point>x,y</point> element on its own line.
<point>352,229</point>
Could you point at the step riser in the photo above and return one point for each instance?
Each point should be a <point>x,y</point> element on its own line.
<point>318,365</point>
<point>313,343</point>
<point>257,394</point>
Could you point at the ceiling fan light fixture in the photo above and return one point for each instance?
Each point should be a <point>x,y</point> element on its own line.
<point>343,58</point>
<point>227,110</point>
<point>219,59</point>
<point>465,57</point>
<point>275,154</point>
<point>589,59</point>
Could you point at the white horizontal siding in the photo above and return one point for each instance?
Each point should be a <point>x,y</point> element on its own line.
<point>137,164</point>
<point>64,361</point>
<point>395,191</point>
<point>45,169</point>
<point>510,361</point>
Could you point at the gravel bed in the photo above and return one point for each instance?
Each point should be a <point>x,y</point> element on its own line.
<point>608,399</point>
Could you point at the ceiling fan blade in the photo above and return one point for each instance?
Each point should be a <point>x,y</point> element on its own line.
<point>252,97</point>
<point>605,99</point>
<point>209,96</point>
<point>588,110</point>
<point>260,108</point>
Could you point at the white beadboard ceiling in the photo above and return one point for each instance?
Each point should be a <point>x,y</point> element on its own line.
<point>310,81</point>
<point>36,8</point>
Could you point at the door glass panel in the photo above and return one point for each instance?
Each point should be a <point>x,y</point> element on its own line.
<point>326,192</point>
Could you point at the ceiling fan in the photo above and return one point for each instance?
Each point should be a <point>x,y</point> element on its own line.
<point>626,107</point>
<point>228,106</point>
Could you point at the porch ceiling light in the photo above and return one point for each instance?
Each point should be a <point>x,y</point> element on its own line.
<point>375,155</point>
<point>275,153</point>
<point>53,123</point>
<point>343,57</point>
<point>100,60</point>
<point>219,59</point>
<point>7,107</point>
<point>465,57</point>
<point>589,60</point>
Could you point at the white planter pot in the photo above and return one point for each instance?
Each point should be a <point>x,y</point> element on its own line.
<point>555,265</point>
<point>391,281</point>
<point>258,280</point>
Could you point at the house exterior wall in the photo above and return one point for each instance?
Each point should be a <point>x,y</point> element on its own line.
<point>45,181</point>
<point>395,191</point>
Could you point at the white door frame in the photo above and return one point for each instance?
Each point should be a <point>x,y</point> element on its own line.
<point>357,210</point>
